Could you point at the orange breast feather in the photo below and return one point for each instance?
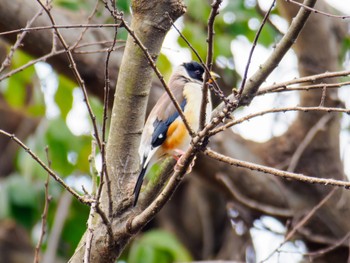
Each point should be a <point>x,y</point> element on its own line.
<point>175,136</point>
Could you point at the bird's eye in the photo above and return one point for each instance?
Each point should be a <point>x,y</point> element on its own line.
<point>198,72</point>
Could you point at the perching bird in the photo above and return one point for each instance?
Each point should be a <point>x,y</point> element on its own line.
<point>164,132</point>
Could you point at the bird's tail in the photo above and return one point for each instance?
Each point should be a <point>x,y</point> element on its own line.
<point>139,181</point>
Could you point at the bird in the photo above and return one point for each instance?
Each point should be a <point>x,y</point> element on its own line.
<point>164,133</point>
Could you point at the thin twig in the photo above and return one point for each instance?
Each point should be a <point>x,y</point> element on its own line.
<point>89,18</point>
<point>18,43</point>
<point>160,77</point>
<point>308,87</point>
<point>186,41</point>
<point>214,83</point>
<point>59,220</point>
<point>266,209</point>
<point>320,252</point>
<point>271,23</point>
<point>276,172</point>
<point>209,62</point>
<point>317,11</point>
<point>255,42</point>
<point>312,78</point>
<point>306,141</point>
<point>285,109</point>
<point>47,56</point>
<point>324,95</point>
<point>80,198</point>
<point>45,211</point>
<point>30,29</point>
<point>75,72</point>
<point>301,223</point>
<point>107,89</point>
<point>101,50</point>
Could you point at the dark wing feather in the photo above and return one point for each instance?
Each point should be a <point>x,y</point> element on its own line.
<point>161,127</point>
<point>166,114</point>
<point>139,182</point>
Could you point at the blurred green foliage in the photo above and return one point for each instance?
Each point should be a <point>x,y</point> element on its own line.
<point>157,246</point>
<point>21,91</point>
<point>22,193</point>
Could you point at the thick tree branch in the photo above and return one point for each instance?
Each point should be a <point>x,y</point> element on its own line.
<point>149,24</point>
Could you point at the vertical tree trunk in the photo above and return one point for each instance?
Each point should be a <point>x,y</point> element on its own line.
<point>150,24</point>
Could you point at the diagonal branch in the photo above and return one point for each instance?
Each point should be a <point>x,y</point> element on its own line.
<point>47,168</point>
<point>253,84</point>
<point>266,16</point>
<point>312,79</point>
<point>76,73</point>
<point>276,172</point>
<point>209,61</point>
<point>285,109</point>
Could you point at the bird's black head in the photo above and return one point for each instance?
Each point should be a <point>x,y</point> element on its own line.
<point>194,70</point>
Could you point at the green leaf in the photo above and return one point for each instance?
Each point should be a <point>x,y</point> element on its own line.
<point>157,246</point>
<point>68,4</point>
<point>64,95</point>
<point>60,141</point>
<point>23,200</point>
<point>196,36</point>
<point>74,228</point>
<point>4,202</point>
<point>123,5</point>
<point>164,65</point>
<point>21,83</point>
<point>97,107</point>
<point>37,110</point>
<point>199,11</point>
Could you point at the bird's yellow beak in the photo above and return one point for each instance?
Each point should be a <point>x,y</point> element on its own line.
<point>214,76</point>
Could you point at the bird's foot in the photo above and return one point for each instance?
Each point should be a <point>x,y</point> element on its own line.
<point>178,154</point>
<point>180,164</point>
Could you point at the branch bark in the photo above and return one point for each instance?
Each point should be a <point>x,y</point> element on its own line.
<point>150,24</point>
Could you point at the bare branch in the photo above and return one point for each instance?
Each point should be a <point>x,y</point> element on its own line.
<point>80,198</point>
<point>320,125</point>
<point>75,72</point>
<point>55,233</point>
<point>160,77</point>
<point>18,43</point>
<point>266,209</point>
<point>215,87</point>
<point>317,11</point>
<point>45,211</point>
<point>256,38</point>
<point>313,78</point>
<point>302,222</point>
<point>276,172</point>
<point>320,252</point>
<point>272,62</point>
<point>38,28</point>
<point>209,61</point>
<point>261,113</point>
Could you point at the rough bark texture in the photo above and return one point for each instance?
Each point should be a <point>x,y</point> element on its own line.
<point>149,24</point>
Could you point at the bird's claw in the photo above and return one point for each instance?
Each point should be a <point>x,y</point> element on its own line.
<point>180,164</point>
